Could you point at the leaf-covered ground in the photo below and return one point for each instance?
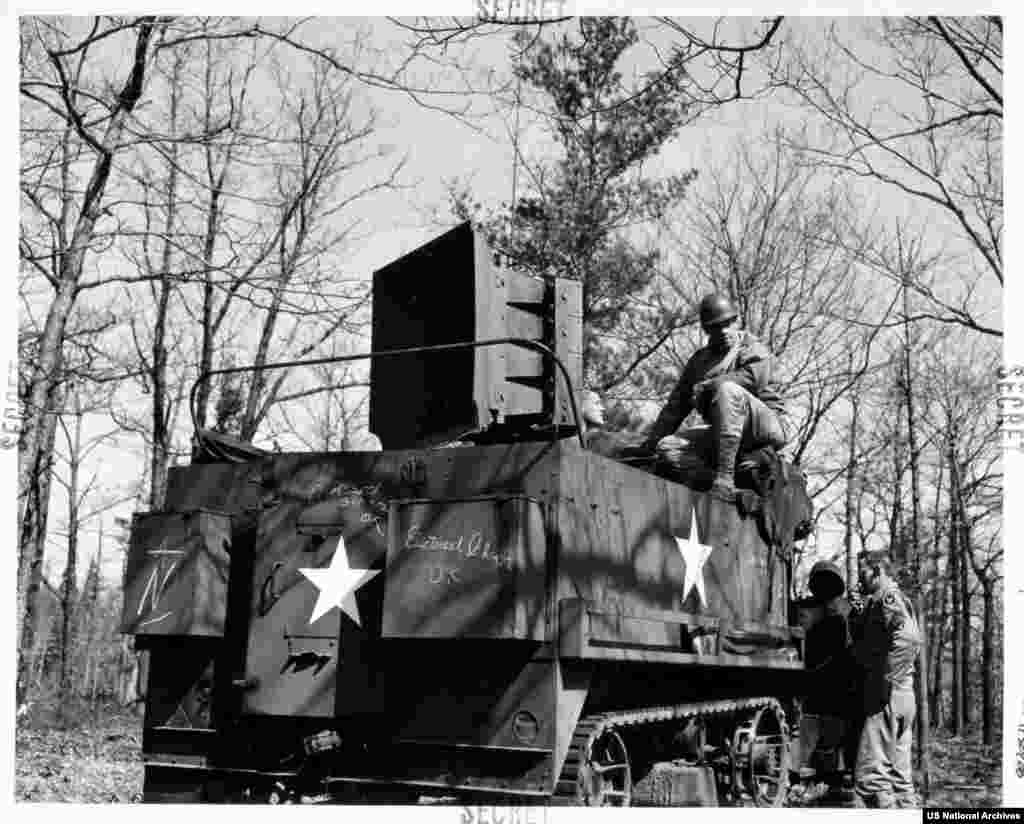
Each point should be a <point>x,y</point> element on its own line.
<point>103,764</point>
<point>964,773</point>
<point>95,766</point>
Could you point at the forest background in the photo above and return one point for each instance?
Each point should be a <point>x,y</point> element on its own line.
<point>201,192</point>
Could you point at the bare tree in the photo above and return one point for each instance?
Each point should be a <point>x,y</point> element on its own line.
<point>158,240</point>
<point>961,469</point>
<point>331,414</point>
<point>935,611</point>
<point>974,510</point>
<point>54,245</point>
<point>79,125</point>
<point>706,62</point>
<point>938,142</point>
<point>849,515</point>
<point>83,133</point>
<point>576,209</point>
<point>306,305</point>
<point>86,500</point>
<point>271,245</point>
<point>782,241</point>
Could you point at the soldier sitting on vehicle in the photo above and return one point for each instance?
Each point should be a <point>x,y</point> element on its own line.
<point>730,382</point>
<point>829,662</point>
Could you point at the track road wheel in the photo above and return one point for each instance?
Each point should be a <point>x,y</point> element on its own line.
<point>760,757</point>
<point>605,778</point>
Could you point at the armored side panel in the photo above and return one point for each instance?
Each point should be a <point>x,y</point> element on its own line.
<point>176,574</point>
<point>581,532</point>
<point>471,568</point>
<point>452,549</point>
<point>633,544</point>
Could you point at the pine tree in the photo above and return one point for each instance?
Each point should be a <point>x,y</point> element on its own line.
<point>576,220</point>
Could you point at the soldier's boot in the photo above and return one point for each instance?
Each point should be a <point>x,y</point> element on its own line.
<point>680,459</point>
<point>724,484</point>
<point>908,801</point>
<point>728,412</point>
<point>885,801</point>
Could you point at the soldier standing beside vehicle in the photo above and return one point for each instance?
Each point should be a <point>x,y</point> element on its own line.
<point>731,383</point>
<point>828,659</point>
<point>886,652</point>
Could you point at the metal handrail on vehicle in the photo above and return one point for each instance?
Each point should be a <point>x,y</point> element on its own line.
<point>524,343</point>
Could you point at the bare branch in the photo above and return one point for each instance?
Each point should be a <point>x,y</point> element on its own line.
<point>966,61</point>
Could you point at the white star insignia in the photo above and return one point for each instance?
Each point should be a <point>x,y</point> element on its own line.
<point>338,583</point>
<point>694,555</point>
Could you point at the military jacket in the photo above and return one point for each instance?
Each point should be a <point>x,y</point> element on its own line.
<point>890,639</point>
<point>829,663</point>
<point>751,367</point>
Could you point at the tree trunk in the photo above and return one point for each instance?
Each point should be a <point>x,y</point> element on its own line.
<point>967,557</point>
<point>34,465</point>
<point>896,525</point>
<point>985,575</point>
<point>67,599</point>
<point>87,615</point>
<point>32,549</point>
<point>956,693</point>
<point>214,214</point>
<point>936,610</point>
<point>916,555</point>
<point>252,417</point>
<point>160,456</point>
<point>294,213</point>
<point>965,608</point>
<point>937,651</point>
<point>988,664</point>
<point>40,650</point>
<point>208,332</point>
<point>851,496</point>
<point>83,690</point>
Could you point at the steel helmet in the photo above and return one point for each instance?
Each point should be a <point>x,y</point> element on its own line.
<point>826,581</point>
<point>716,310</point>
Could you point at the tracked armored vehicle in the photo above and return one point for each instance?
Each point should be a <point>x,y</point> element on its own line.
<point>483,610</point>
